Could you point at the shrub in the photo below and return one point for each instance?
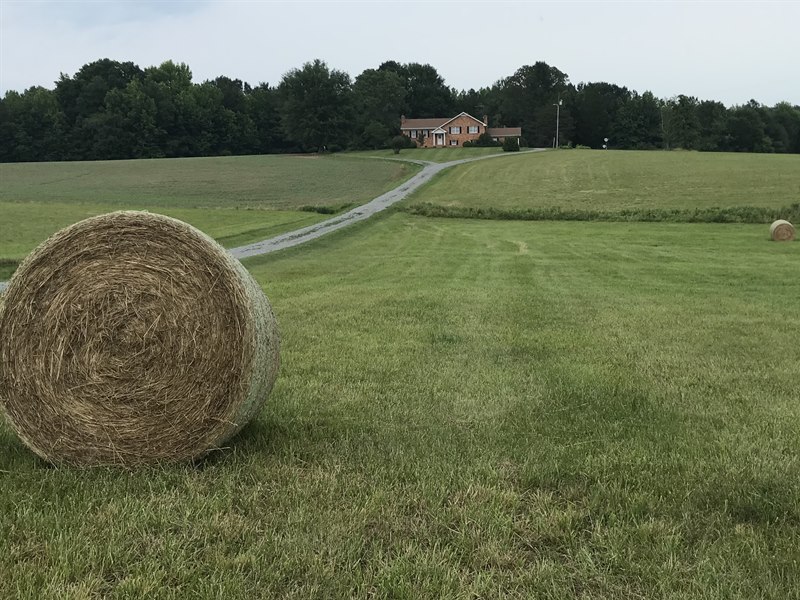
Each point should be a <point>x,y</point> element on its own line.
<point>398,143</point>
<point>326,209</point>
<point>732,214</point>
<point>485,141</point>
<point>510,144</point>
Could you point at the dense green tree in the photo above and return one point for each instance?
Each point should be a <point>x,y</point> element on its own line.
<point>787,117</point>
<point>638,124</point>
<point>316,106</point>
<point>263,107</point>
<point>596,107</point>
<point>82,100</point>
<point>746,128</point>
<point>112,109</point>
<point>84,94</point>
<point>485,102</point>
<point>378,100</point>
<point>127,127</point>
<point>32,126</point>
<point>170,86</point>
<point>684,123</point>
<point>712,120</point>
<point>528,100</point>
<point>427,95</point>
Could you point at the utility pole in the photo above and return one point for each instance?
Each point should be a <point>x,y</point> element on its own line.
<point>558,117</point>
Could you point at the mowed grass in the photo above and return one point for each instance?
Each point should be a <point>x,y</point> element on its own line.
<point>236,200</point>
<point>437,155</point>
<point>284,182</point>
<point>613,181</point>
<point>471,409</point>
<point>25,225</point>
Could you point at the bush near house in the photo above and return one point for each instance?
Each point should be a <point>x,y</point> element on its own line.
<point>398,143</point>
<point>510,144</point>
<point>484,141</point>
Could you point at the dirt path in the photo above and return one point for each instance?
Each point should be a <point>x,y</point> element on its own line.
<point>312,232</point>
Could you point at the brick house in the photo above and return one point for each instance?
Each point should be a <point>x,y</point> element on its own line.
<point>453,131</point>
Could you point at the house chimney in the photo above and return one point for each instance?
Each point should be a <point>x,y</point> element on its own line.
<point>402,120</point>
<point>486,119</point>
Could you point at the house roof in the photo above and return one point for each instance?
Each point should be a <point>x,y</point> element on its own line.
<point>423,123</point>
<point>434,122</point>
<point>504,131</point>
<point>463,114</point>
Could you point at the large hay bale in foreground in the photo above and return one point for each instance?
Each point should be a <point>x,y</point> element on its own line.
<point>133,338</point>
<point>781,231</point>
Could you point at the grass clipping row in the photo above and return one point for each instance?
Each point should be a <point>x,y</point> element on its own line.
<point>133,338</point>
<point>781,231</point>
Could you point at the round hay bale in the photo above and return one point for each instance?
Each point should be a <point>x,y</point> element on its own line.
<point>133,338</point>
<point>781,231</point>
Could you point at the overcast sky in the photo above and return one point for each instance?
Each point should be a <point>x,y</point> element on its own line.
<point>727,51</point>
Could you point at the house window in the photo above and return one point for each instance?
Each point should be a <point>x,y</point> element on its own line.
<point>413,133</point>
<point>425,133</point>
<point>455,130</point>
<point>473,129</point>
<point>454,142</point>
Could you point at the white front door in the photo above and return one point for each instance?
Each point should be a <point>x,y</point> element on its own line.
<point>440,139</point>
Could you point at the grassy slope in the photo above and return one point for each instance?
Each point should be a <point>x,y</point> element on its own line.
<point>269,182</point>
<point>619,180</point>
<point>471,409</point>
<point>37,199</point>
<point>26,224</point>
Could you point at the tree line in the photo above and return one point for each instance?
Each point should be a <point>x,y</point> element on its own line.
<point>115,110</point>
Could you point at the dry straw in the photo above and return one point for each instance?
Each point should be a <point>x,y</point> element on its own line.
<point>781,231</point>
<point>133,338</point>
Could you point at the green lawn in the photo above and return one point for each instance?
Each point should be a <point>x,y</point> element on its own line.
<point>236,200</point>
<point>471,409</point>
<point>609,181</point>
<point>432,154</point>
<point>25,225</point>
<point>267,182</point>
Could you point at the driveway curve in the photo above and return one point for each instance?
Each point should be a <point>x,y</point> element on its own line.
<point>312,232</point>
<point>360,213</point>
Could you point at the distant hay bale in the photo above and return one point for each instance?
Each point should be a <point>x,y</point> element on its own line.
<point>133,338</point>
<point>781,231</point>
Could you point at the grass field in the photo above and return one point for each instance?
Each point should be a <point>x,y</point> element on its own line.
<point>235,199</point>
<point>471,409</point>
<point>610,182</point>
<point>438,155</point>
<point>265,182</point>
<point>24,225</point>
